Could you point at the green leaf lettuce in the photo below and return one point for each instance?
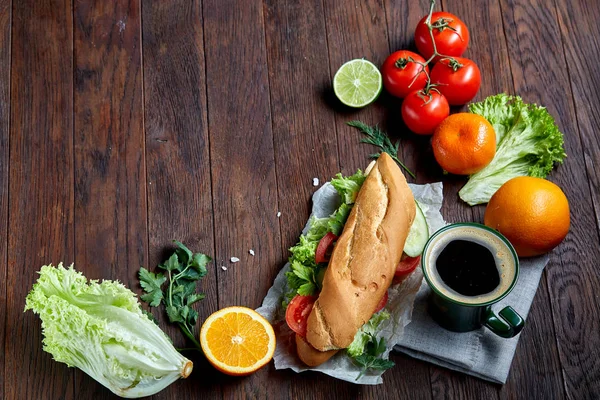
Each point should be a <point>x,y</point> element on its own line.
<point>528,143</point>
<point>305,275</point>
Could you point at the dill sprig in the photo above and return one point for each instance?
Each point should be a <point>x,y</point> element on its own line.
<point>379,138</point>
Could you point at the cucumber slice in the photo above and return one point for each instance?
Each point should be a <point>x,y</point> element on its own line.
<point>417,235</point>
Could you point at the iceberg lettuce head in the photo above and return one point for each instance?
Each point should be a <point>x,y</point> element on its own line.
<point>101,329</point>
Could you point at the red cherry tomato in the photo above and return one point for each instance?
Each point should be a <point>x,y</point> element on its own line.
<point>458,78</point>
<point>322,253</point>
<point>422,112</point>
<point>405,267</point>
<point>450,34</point>
<point>399,71</point>
<point>382,302</point>
<point>297,313</point>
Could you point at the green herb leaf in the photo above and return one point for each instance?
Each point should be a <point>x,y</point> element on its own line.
<point>379,138</point>
<point>184,254</point>
<point>172,263</point>
<point>153,298</point>
<point>174,314</point>
<point>199,262</point>
<point>151,284</point>
<point>191,274</point>
<point>193,298</point>
<point>184,269</point>
<point>369,362</point>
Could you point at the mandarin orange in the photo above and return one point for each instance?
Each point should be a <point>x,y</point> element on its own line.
<point>464,143</point>
<point>237,340</point>
<point>532,213</point>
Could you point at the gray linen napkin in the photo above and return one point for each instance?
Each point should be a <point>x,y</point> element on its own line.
<point>479,353</point>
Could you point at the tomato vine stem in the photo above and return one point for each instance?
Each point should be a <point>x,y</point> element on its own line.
<point>453,63</point>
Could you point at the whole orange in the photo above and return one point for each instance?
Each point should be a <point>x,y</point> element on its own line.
<point>532,213</point>
<point>464,143</point>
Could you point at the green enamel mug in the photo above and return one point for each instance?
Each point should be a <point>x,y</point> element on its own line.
<point>469,268</point>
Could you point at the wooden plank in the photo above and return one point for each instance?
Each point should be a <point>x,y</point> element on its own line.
<point>41,186</point>
<point>299,77</point>
<point>581,44</point>
<point>357,29</point>
<point>110,193</point>
<point>243,172</point>
<point>579,333</point>
<point>177,157</point>
<point>572,279</point>
<point>488,48</point>
<point>5,27</point>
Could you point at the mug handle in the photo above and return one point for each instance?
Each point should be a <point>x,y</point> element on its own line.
<point>509,325</point>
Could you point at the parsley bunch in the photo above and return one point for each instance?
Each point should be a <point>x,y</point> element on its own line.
<point>366,350</point>
<point>371,360</point>
<point>183,270</point>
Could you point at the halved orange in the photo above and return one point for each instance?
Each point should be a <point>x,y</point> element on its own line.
<point>237,340</point>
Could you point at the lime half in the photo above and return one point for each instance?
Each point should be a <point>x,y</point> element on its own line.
<point>357,83</point>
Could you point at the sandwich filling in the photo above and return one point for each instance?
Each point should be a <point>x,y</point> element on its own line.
<point>306,273</point>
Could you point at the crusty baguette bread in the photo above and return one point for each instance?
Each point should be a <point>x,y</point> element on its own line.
<point>364,259</point>
<point>309,355</point>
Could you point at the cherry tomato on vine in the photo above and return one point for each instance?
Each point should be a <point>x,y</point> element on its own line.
<point>423,111</point>
<point>458,78</point>
<point>400,69</point>
<point>450,34</point>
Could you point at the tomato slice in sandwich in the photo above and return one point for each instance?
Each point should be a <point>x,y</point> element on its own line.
<point>382,303</point>
<point>297,313</point>
<point>324,248</point>
<point>405,267</point>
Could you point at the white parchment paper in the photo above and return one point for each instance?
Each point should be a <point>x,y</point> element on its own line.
<point>400,302</point>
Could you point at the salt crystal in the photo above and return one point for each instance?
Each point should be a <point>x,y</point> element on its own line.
<point>251,252</point>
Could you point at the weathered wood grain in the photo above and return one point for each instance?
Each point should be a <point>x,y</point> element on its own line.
<point>579,332</point>
<point>40,187</point>
<point>110,193</point>
<point>5,28</point>
<point>243,170</point>
<point>573,282</point>
<point>356,29</point>
<point>582,45</point>
<point>536,371</point>
<point>303,124</point>
<point>178,160</point>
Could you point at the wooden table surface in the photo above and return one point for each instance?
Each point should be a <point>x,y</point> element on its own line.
<point>125,124</point>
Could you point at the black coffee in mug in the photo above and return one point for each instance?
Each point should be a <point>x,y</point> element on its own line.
<point>468,267</point>
<point>470,264</point>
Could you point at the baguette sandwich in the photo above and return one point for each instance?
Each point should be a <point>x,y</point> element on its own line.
<point>337,296</point>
